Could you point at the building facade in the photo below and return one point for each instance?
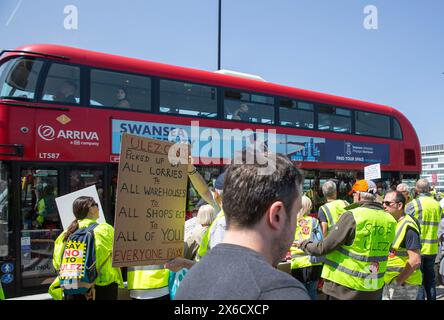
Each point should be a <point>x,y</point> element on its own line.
<point>433,165</point>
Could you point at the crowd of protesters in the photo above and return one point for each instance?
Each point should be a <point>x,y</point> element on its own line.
<point>384,245</point>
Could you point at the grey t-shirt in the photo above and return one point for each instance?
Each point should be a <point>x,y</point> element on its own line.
<point>231,272</point>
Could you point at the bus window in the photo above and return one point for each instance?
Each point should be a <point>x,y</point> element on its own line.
<point>248,107</point>
<point>80,178</point>
<point>120,90</point>
<point>334,119</point>
<point>40,225</point>
<point>18,78</point>
<point>296,114</point>
<point>372,124</point>
<point>397,132</point>
<point>4,215</point>
<point>188,99</point>
<point>62,84</point>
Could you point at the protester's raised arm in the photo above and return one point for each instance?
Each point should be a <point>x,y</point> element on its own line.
<point>199,184</point>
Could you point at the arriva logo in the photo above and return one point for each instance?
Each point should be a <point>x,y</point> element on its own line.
<point>48,133</point>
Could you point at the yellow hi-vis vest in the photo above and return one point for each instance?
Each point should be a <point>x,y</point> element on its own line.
<point>428,214</point>
<point>304,230</point>
<point>203,248</point>
<point>361,266</point>
<point>333,211</point>
<point>2,294</point>
<point>398,256</point>
<point>147,277</point>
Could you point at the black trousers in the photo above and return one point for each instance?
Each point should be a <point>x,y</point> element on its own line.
<point>108,292</point>
<point>307,274</point>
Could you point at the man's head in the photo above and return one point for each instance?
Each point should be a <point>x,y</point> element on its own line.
<point>267,203</point>
<point>404,189</point>
<point>379,188</point>
<point>394,203</point>
<point>68,88</point>
<point>329,189</point>
<point>243,107</point>
<point>422,186</point>
<point>364,190</point>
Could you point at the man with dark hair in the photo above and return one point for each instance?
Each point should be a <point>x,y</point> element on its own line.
<point>260,213</point>
<point>403,277</point>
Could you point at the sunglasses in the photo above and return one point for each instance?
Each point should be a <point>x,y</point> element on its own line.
<point>95,205</point>
<point>389,203</point>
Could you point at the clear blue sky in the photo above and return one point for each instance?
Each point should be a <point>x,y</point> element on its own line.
<point>312,44</point>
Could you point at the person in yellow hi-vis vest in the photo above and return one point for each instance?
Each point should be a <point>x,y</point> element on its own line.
<point>428,213</point>
<point>307,269</point>
<point>357,249</point>
<point>403,276</point>
<point>109,279</point>
<point>330,212</point>
<point>2,294</point>
<point>148,282</point>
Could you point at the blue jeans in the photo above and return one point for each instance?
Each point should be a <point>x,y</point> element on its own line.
<point>428,287</point>
<point>312,288</point>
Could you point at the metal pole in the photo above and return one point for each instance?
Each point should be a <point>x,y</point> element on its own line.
<point>219,35</point>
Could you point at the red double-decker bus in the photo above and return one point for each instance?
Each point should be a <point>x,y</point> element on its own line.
<point>63,111</point>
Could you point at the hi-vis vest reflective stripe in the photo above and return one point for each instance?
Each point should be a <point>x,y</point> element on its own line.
<point>147,277</point>
<point>203,248</point>
<point>361,266</point>
<point>428,214</point>
<point>398,256</point>
<point>304,229</point>
<point>333,211</point>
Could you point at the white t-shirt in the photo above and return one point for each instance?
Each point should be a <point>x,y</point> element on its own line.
<point>218,232</point>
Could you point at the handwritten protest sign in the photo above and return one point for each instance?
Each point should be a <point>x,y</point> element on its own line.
<point>150,204</point>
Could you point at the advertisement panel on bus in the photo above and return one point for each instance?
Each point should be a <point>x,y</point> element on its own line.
<point>221,143</point>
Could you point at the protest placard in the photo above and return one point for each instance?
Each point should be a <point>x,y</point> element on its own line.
<point>64,205</point>
<point>150,204</point>
<point>372,172</point>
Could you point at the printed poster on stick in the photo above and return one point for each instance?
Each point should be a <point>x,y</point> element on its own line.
<point>150,204</point>
<point>372,172</point>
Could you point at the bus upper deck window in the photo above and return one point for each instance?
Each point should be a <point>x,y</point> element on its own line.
<point>18,78</point>
<point>178,97</point>
<point>120,90</point>
<point>62,84</point>
<point>334,119</point>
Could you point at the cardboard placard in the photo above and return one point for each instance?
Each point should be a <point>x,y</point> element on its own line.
<point>372,172</point>
<point>150,205</point>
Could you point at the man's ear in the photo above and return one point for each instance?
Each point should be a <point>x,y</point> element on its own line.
<point>276,215</point>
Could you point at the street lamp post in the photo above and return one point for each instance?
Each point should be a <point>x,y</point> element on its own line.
<point>219,35</point>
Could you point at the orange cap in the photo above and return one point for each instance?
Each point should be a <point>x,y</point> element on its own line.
<point>360,185</point>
